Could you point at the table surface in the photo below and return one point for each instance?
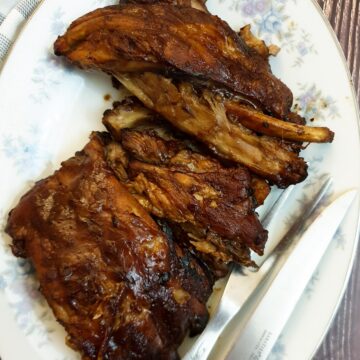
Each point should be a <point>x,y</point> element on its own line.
<point>343,339</point>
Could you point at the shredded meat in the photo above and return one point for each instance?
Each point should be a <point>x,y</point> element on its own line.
<point>205,118</point>
<point>213,204</point>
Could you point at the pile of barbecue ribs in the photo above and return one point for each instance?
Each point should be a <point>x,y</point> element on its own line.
<point>129,235</point>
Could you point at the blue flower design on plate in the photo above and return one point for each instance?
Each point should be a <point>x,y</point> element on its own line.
<point>340,239</point>
<point>25,151</point>
<point>3,283</point>
<point>313,104</point>
<point>278,352</point>
<point>270,21</point>
<point>253,8</point>
<point>30,310</point>
<point>46,76</point>
<point>58,25</point>
<point>312,284</point>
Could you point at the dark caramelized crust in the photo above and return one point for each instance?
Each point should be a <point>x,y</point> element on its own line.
<point>118,285</point>
<point>143,37</point>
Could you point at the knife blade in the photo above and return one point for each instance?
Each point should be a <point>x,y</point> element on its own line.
<point>270,316</point>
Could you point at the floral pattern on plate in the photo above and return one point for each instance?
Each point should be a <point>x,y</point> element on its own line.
<point>313,104</point>
<point>270,20</point>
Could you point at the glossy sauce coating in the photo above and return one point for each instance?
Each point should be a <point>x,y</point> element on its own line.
<point>119,286</point>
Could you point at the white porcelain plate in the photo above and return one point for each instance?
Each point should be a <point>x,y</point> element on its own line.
<point>48,109</point>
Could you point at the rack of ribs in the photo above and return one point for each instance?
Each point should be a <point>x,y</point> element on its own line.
<point>121,287</point>
<point>204,78</point>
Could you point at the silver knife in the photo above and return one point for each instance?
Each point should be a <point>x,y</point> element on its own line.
<point>275,307</point>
